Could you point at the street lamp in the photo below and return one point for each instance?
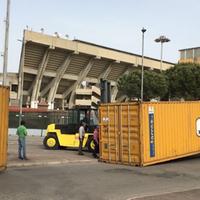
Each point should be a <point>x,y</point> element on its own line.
<point>142,74</point>
<point>162,39</point>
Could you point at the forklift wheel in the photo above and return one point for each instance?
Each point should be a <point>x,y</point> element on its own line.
<point>90,144</point>
<point>51,142</point>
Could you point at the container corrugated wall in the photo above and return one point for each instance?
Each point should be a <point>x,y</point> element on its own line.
<point>4,102</point>
<point>149,133</point>
<point>119,133</point>
<point>169,130</point>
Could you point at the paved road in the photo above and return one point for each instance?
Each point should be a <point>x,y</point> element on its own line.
<point>38,155</point>
<point>63,175</point>
<point>186,195</point>
<point>99,181</point>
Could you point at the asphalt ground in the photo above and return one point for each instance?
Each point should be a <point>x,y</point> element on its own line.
<point>39,156</point>
<point>100,181</point>
<point>193,194</point>
<point>63,174</point>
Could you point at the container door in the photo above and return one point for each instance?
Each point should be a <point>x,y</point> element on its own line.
<point>109,133</point>
<point>129,140</point>
<point>4,99</point>
<point>119,140</point>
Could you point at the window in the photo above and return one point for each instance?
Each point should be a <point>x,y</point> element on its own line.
<point>14,88</point>
<point>94,117</point>
<point>197,53</point>
<point>182,54</point>
<point>189,53</point>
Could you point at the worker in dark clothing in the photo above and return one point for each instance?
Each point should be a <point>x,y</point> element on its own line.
<point>96,142</point>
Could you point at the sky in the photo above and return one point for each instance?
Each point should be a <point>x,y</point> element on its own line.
<point>112,23</point>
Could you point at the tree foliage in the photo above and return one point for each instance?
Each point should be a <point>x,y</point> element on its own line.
<point>184,81</point>
<point>155,85</point>
<point>179,82</point>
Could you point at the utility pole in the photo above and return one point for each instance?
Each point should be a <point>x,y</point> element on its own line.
<point>142,73</point>
<point>5,56</point>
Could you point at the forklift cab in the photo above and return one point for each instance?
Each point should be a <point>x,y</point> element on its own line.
<point>74,117</point>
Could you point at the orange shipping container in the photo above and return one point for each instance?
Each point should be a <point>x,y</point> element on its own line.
<point>150,132</point>
<point>4,101</point>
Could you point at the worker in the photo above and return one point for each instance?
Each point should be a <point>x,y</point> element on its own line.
<point>81,137</point>
<point>22,133</point>
<point>96,142</point>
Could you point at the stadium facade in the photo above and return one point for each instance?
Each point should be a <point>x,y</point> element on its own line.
<point>58,73</point>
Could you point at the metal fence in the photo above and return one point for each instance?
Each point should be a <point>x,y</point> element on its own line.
<point>40,120</point>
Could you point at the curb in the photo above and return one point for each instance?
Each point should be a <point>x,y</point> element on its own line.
<point>48,163</point>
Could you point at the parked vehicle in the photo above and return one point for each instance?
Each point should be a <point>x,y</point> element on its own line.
<point>65,133</point>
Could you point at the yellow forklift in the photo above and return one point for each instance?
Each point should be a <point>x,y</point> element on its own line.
<point>65,133</point>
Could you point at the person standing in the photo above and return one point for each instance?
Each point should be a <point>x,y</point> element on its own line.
<point>81,137</point>
<point>96,142</point>
<point>22,133</point>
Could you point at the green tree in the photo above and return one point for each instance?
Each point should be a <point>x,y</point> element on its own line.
<point>184,81</point>
<point>155,85</point>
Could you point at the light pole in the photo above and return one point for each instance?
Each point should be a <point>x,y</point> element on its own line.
<point>5,56</point>
<point>142,74</point>
<point>162,39</point>
<point>21,79</point>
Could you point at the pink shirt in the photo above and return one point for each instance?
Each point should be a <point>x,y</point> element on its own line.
<point>96,135</point>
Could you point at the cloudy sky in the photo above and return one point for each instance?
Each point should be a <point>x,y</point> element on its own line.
<point>112,23</point>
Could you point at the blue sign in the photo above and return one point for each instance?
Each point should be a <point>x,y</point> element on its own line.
<point>151,132</point>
